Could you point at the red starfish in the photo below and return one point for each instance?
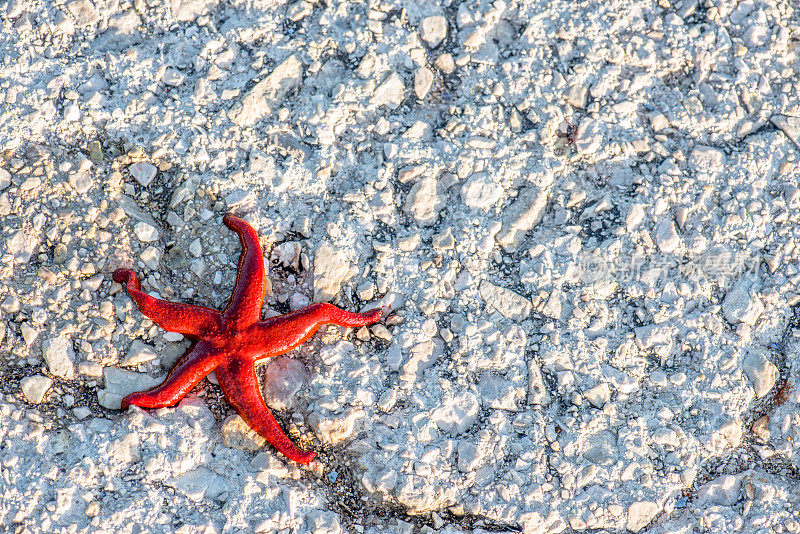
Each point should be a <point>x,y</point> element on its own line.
<point>231,340</point>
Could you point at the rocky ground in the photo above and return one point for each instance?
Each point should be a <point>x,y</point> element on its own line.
<point>583,215</point>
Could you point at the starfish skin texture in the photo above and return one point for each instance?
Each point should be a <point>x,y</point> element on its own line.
<point>232,340</point>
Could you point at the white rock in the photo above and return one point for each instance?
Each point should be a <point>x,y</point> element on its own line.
<point>499,393</point>
<point>143,172</point>
<point>433,30</point>
<point>423,79</point>
<point>237,434</point>
<point>723,490</point>
<point>60,356</point>
<point>666,237</point>
<point>424,202</point>
<point>761,372</point>
<point>456,414</point>
<point>537,391</point>
<point>145,232</point>
<point>589,136</point>
<point>283,378</point>
<point>640,514</point>
<point>81,181</point>
<point>707,159</point>
<point>741,305</point>
<point>121,382</point>
<point>599,395</point>
<point>635,217</point>
<point>521,216</point>
<point>510,305</point>
<point>21,245</point>
<point>198,484</point>
<point>480,191</point>
<point>188,10</point>
<point>335,428</point>
<point>35,387</point>
<point>331,270</point>
<point>469,456</point>
<point>139,352</point>
<point>267,94</point>
<point>788,125</point>
<point>390,92</point>
<point>421,357</point>
<point>5,179</point>
<point>84,12</point>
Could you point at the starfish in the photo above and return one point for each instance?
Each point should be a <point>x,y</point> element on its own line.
<point>232,340</point>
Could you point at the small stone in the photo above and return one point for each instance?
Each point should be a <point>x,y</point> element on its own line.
<point>143,172</point>
<point>391,92</point>
<point>283,378</point>
<point>788,125</point>
<point>498,393</point>
<point>599,395</point>
<point>21,245</point>
<point>723,490</point>
<point>537,391</point>
<point>267,94</point>
<point>96,152</point>
<point>188,10</point>
<point>81,181</point>
<point>60,356</point>
<point>331,270</point>
<point>366,291</point>
<point>5,179</point>
<point>444,240</point>
<point>173,77</point>
<point>521,216</point>
<point>84,12</point>
<point>145,232</point>
<point>423,202</point>
<point>120,383</point>
<point>335,428</point>
<point>380,331</point>
<point>666,237</point>
<point>29,333</point>
<point>35,388</point>
<point>433,30</point>
<point>640,514</point>
<point>480,191</point>
<point>423,79</point>
<point>741,305</point>
<point>139,352</point>
<point>635,217</point>
<point>577,96</point>
<point>589,137</point>
<point>445,64</point>
<point>457,414</point>
<point>707,159</point>
<point>237,434</point>
<point>761,372</point>
<point>510,305</point>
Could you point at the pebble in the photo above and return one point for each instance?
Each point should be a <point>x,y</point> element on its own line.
<point>139,352</point>
<point>143,172</point>
<point>741,305</point>
<point>788,125</point>
<point>390,92</point>
<point>35,387</point>
<point>121,382</point>
<point>588,137</point>
<point>333,429</point>
<point>83,12</point>
<point>423,202</point>
<point>237,434</point>
<point>21,245</point>
<point>761,372</point>
<point>510,305</point>
<point>433,30</point>
<point>331,270</point>
<point>283,379</point>
<point>480,191</point>
<point>423,79</point>
<point>723,490</point>
<point>60,356</point>
<point>5,179</point>
<point>521,216</point>
<point>266,95</point>
<point>640,514</point>
<point>146,232</point>
<point>666,237</point>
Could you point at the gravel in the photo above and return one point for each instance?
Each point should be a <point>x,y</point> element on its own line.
<point>583,217</point>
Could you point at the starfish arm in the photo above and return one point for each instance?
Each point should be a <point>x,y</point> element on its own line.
<point>190,369</point>
<point>240,385</point>
<point>186,319</point>
<point>244,307</point>
<point>281,334</point>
